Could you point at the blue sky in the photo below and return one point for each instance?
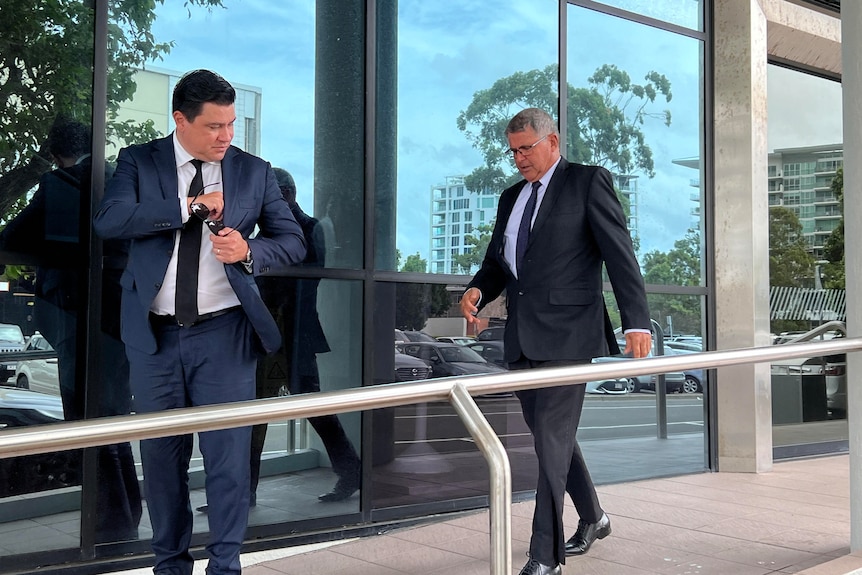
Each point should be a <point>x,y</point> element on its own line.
<point>447,52</point>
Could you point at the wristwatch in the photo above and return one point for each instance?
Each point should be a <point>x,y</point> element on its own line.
<point>248,263</point>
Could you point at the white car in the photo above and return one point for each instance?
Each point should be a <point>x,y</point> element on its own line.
<point>39,374</point>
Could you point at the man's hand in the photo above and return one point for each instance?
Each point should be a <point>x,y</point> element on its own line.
<point>469,301</point>
<point>214,201</point>
<point>229,247</point>
<point>638,344</point>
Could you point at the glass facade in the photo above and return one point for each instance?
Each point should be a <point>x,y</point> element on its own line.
<point>389,117</point>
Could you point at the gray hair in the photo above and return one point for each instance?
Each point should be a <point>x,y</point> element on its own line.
<point>537,119</point>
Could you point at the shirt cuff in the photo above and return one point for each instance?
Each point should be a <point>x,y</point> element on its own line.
<point>636,330</point>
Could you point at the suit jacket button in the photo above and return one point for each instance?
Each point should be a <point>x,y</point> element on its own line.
<point>520,293</point>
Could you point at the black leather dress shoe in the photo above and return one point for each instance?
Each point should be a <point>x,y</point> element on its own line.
<point>586,535</point>
<point>342,490</point>
<point>533,567</point>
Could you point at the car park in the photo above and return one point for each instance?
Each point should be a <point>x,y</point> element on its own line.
<point>458,339</point>
<point>40,373</point>
<point>491,350</point>
<point>11,341</point>
<point>694,378</point>
<point>447,359</point>
<point>494,332</point>
<point>412,335</point>
<point>408,368</point>
<point>674,381</point>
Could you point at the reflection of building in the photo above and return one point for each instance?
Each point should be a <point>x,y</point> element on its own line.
<point>800,179</point>
<point>695,164</point>
<point>628,187</point>
<point>456,212</point>
<point>152,102</point>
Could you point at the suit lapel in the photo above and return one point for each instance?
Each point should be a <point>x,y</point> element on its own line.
<point>555,188</point>
<point>166,162</point>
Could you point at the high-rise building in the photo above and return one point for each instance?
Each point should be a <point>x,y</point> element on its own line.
<point>800,179</point>
<point>457,212</point>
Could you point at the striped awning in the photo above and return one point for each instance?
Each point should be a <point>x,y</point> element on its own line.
<point>807,304</point>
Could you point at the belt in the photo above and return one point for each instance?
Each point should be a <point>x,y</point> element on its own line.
<point>171,320</point>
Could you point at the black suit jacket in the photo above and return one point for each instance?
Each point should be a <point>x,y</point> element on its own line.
<point>555,308</point>
<point>141,205</point>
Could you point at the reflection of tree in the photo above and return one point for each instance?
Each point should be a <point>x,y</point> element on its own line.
<point>834,248</point>
<point>415,303</point>
<point>603,126</point>
<point>790,263</point>
<point>681,267</point>
<point>479,243</point>
<point>46,63</point>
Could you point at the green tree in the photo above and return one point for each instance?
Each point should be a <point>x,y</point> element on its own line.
<point>790,263</point>
<point>478,242</point>
<point>681,266</point>
<point>46,59</point>
<point>416,302</point>
<point>603,122</point>
<point>834,249</point>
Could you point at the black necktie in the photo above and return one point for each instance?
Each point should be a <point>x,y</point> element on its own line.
<point>188,259</point>
<point>524,228</point>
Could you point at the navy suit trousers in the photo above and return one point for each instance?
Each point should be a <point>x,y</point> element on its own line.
<point>212,362</point>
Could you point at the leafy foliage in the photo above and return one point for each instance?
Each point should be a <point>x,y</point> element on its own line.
<point>46,72</point>
<point>680,266</point>
<point>834,249</point>
<point>416,302</point>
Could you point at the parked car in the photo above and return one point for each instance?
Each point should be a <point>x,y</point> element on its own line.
<point>410,335</point>
<point>458,339</point>
<point>39,374</point>
<point>491,350</point>
<point>409,368</point>
<point>493,332</point>
<point>11,341</point>
<point>447,359</point>
<point>694,378</point>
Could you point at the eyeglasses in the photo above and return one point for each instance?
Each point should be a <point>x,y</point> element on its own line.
<point>203,212</point>
<point>526,150</point>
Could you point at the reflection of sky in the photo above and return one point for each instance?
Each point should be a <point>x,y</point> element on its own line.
<point>446,52</point>
<point>803,110</point>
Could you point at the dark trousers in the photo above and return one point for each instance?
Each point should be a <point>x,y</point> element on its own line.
<point>212,362</point>
<point>553,414</point>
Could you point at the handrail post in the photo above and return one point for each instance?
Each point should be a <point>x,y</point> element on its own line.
<point>500,497</point>
<point>660,385</point>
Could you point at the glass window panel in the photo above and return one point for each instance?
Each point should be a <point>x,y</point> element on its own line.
<point>687,13</point>
<point>805,137</point>
<point>446,57</point>
<point>659,182</point>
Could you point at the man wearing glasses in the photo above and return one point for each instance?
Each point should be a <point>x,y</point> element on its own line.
<point>553,232</point>
<point>193,321</point>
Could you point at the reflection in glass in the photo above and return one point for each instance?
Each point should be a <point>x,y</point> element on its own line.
<point>687,13</point>
<point>805,185</point>
<point>648,82</point>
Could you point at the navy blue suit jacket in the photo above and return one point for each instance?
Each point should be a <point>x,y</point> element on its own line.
<point>141,204</point>
<point>555,308</point>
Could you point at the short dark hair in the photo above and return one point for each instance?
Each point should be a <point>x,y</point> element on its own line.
<point>69,139</point>
<point>198,87</point>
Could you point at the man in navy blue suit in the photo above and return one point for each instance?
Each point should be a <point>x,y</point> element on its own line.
<point>554,230</point>
<point>192,318</point>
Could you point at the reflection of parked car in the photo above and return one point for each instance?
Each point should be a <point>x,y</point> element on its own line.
<point>33,473</point>
<point>11,341</point>
<point>459,339</point>
<point>693,377</point>
<point>409,368</point>
<point>39,374</point>
<point>674,380</point>
<point>409,335</point>
<point>448,359</point>
<point>491,350</point>
<point>495,332</point>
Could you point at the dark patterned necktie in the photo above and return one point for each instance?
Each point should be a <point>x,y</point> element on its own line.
<point>524,228</point>
<point>188,259</point>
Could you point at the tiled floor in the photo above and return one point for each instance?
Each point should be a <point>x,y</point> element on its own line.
<point>795,519</point>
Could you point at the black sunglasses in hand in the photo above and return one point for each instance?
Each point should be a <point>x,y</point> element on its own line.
<point>203,212</point>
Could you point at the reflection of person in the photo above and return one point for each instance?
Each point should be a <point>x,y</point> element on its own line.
<point>552,275</point>
<point>194,328</point>
<point>296,309</point>
<point>48,227</point>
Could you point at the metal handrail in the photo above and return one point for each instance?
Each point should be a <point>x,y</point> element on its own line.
<point>819,330</point>
<point>457,390</point>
